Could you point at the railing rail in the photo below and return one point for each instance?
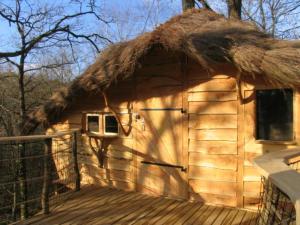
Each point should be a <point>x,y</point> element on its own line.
<point>35,171</point>
<point>281,183</point>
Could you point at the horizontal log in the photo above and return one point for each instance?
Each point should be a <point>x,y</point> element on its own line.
<point>260,148</point>
<point>119,154</point>
<point>229,107</point>
<point>212,121</point>
<point>109,163</point>
<point>213,147</point>
<point>55,134</point>
<point>251,174</point>
<point>214,199</point>
<point>251,189</point>
<point>228,162</point>
<point>196,71</point>
<point>213,187</point>
<point>212,174</point>
<point>228,84</point>
<point>212,96</point>
<point>106,174</point>
<point>159,70</point>
<point>213,134</point>
<point>251,203</point>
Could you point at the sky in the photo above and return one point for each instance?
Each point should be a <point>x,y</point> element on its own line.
<point>127,19</point>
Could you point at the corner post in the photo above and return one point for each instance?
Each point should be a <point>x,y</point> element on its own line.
<point>23,181</point>
<point>75,162</point>
<point>46,176</point>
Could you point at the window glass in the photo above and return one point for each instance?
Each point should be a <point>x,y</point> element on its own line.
<point>274,115</point>
<point>111,125</point>
<point>93,123</point>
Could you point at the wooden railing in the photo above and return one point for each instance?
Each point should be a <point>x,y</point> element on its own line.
<point>280,193</point>
<point>32,175</point>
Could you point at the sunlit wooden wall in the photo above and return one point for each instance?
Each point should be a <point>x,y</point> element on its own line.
<point>218,133</point>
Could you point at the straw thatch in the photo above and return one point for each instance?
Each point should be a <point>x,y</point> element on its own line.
<point>203,35</point>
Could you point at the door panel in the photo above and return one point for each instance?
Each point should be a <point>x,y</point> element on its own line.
<point>159,139</point>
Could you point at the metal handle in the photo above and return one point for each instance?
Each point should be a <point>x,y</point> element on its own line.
<point>183,169</point>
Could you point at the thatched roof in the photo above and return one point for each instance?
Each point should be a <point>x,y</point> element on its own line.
<point>203,35</point>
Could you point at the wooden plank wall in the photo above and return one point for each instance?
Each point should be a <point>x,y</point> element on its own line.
<point>220,164</point>
<point>118,162</point>
<point>254,148</point>
<point>213,158</point>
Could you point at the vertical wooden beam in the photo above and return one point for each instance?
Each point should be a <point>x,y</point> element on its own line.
<point>296,115</point>
<point>23,181</point>
<point>234,9</point>
<point>46,176</point>
<point>188,4</point>
<point>75,162</point>
<point>134,133</point>
<point>185,120</point>
<point>240,147</point>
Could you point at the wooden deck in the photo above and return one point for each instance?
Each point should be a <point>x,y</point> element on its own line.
<point>94,205</point>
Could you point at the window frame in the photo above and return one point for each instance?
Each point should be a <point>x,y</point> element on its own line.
<point>291,141</point>
<point>104,125</point>
<point>87,122</point>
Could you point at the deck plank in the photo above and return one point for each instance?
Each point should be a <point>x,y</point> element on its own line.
<point>163,213</point>
<point>187,215</point>
<point>197,214</point>
<point>98,205</point>
<point>111,209</point>
<point>222,216</point>
<point>74,213</point>
<point>239,217</point>
<point>213,216</point>
<point>151,216</point>
<point>230,217</point>
<point>137,214</point>
<point>175,214</point>
<point>110,216</point>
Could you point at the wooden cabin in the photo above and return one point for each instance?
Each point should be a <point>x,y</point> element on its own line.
<point>183,110</point>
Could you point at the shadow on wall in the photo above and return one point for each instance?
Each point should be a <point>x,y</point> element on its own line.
<point>159,84</point>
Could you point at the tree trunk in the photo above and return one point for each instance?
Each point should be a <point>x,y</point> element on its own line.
<point>188,4</point>
<point>22,146</point>
<point>23,182</point>
<point>234,9</point>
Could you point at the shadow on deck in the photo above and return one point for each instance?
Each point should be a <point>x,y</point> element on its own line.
<point>94,205</point>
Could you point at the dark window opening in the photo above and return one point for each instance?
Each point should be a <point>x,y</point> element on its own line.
<point>111,125</point>
<point>93,124</point>
<point>274,115</point>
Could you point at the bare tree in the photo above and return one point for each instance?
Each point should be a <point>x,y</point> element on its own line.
<point>187,4</point>
<point>276,17</point>
<point>234,9</point>
<point>42,27</point>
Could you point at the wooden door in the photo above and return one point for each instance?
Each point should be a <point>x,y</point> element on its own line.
<point>159,138</point>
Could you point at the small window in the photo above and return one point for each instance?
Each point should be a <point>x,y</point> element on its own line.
<point>110,125</point>
<point>93,123</point>
<point>274,115</point>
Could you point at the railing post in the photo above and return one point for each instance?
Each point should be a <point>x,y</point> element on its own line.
<point>75,162</point>
<point>23,182</point>
<point>46,176</point>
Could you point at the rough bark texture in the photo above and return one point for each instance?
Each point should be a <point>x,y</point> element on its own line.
<point>188,4</point>
<point>234,9</point>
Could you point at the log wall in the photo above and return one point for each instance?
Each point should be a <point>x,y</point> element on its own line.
<point>213,160</point>
<point>218,133</point>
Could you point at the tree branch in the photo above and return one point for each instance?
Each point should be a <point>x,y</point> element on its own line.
<point>205,4</point>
